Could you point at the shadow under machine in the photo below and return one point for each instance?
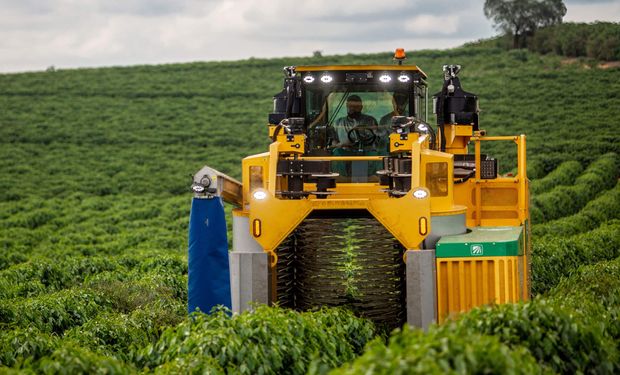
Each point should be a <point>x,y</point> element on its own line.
<point>360,202</point>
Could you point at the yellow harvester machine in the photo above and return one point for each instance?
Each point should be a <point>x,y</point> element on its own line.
<point>359,201</point>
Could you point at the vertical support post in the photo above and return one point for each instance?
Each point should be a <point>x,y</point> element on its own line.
<point>416,150</point>
<point>421,288</point>
<point>478,188</point>
<point>249,268</point>
<point>273,167</point>
<point>522,173</point>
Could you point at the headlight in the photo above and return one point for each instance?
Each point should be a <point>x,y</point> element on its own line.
<point>308,79</point>
<point>259,195</point>
<point>404,78</point>
<point>385,78</point>
<point>327,78</point>
<point>198,189</point>
<point>420,193</point>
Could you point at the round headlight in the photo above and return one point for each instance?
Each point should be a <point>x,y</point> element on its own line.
<point>259,195</point>
<point>198,189</point>
<point>385,78</point>
<point>327,78</point>
<point>420,193</point>
<point>404,78</point>
<point>308,79</point>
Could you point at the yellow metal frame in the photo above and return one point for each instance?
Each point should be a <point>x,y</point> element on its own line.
<point>279,217</point>
<point>457,137</point>
<point>503,201</point>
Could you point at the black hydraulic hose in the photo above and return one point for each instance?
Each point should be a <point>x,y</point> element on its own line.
<point>440,114</point>
<point>289,100</point>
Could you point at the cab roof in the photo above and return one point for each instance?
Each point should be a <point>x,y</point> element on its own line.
<point>378,68</point>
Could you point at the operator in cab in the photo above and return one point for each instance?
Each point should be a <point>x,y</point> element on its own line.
<point>355,127</point>
<point>399,103</point>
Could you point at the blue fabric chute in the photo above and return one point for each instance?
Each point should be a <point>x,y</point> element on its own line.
<point>209,273</point>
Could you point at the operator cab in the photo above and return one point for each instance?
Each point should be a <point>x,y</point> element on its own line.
<point>348,110</point>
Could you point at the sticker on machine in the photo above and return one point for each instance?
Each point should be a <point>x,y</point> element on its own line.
<point>476,249</point>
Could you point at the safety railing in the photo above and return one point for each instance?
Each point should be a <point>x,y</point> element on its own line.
<point>520,178</point>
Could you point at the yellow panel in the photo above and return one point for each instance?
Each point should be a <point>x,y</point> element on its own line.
<point>464,130</point>
<point>402,142</point>
<point>291,143</point>
<point>500,196</point>
<point>259,160</point>
<point>437,178</point>
<point>464,283</point>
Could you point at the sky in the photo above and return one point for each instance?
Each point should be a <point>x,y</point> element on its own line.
<point>37,34</point>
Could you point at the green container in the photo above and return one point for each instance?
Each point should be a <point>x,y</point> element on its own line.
<point>482,242</point>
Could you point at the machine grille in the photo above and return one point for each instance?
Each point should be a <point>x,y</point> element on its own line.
<point>351,262</point>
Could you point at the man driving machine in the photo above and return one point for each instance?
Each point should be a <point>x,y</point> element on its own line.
<point>356,129</point>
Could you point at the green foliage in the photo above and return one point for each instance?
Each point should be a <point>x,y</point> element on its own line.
<point>600,40</point>
<point>72,359</point>
<point>556,257</point>
<point>566,200</point>
<point>558,338</point>
<point>111,333</point>
<point>54,312</point>
<point>23,346</point>
<point>604,208</point>
<point>523,17</point>
<point>441,351</point>
<point>191,365</point>
<point>268,340</point>
<point>595,291</point>
<point>564,174</point>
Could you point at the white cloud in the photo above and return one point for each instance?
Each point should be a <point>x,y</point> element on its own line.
<point>429,24</point>
<point>595,11</point>
<point>71,33</point>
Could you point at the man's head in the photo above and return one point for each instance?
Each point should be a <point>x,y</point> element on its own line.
<point>400,101</point>
<point>354,106</point>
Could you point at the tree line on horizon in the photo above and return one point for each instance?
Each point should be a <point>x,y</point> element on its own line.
<point>537,25</point>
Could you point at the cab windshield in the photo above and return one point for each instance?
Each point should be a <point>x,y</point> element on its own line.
<point>355,120</point>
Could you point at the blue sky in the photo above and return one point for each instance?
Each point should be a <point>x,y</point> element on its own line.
<point>35,34</point>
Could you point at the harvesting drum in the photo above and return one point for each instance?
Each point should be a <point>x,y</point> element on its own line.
<point>360,201</point>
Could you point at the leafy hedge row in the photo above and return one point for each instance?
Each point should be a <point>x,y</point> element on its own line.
<point>556,257</point>
<point>119,334</point>
<point>565,200</point>
<point>564,174</point>
<point>105,334</point>
<point>599,210</point>
<point>53,313</point>
<point>594,290</point>
<point>440,351</point>
<point>558,337</point>
<point>269,340</point>
<point>40,275</point>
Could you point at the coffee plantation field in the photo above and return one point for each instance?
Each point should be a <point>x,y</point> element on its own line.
<point>94,209</point>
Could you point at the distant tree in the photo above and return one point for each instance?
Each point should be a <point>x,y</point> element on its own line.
<point>317,53</point>
<point>520,18</point>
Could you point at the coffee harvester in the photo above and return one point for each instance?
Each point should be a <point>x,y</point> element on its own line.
<point>377,210</point>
